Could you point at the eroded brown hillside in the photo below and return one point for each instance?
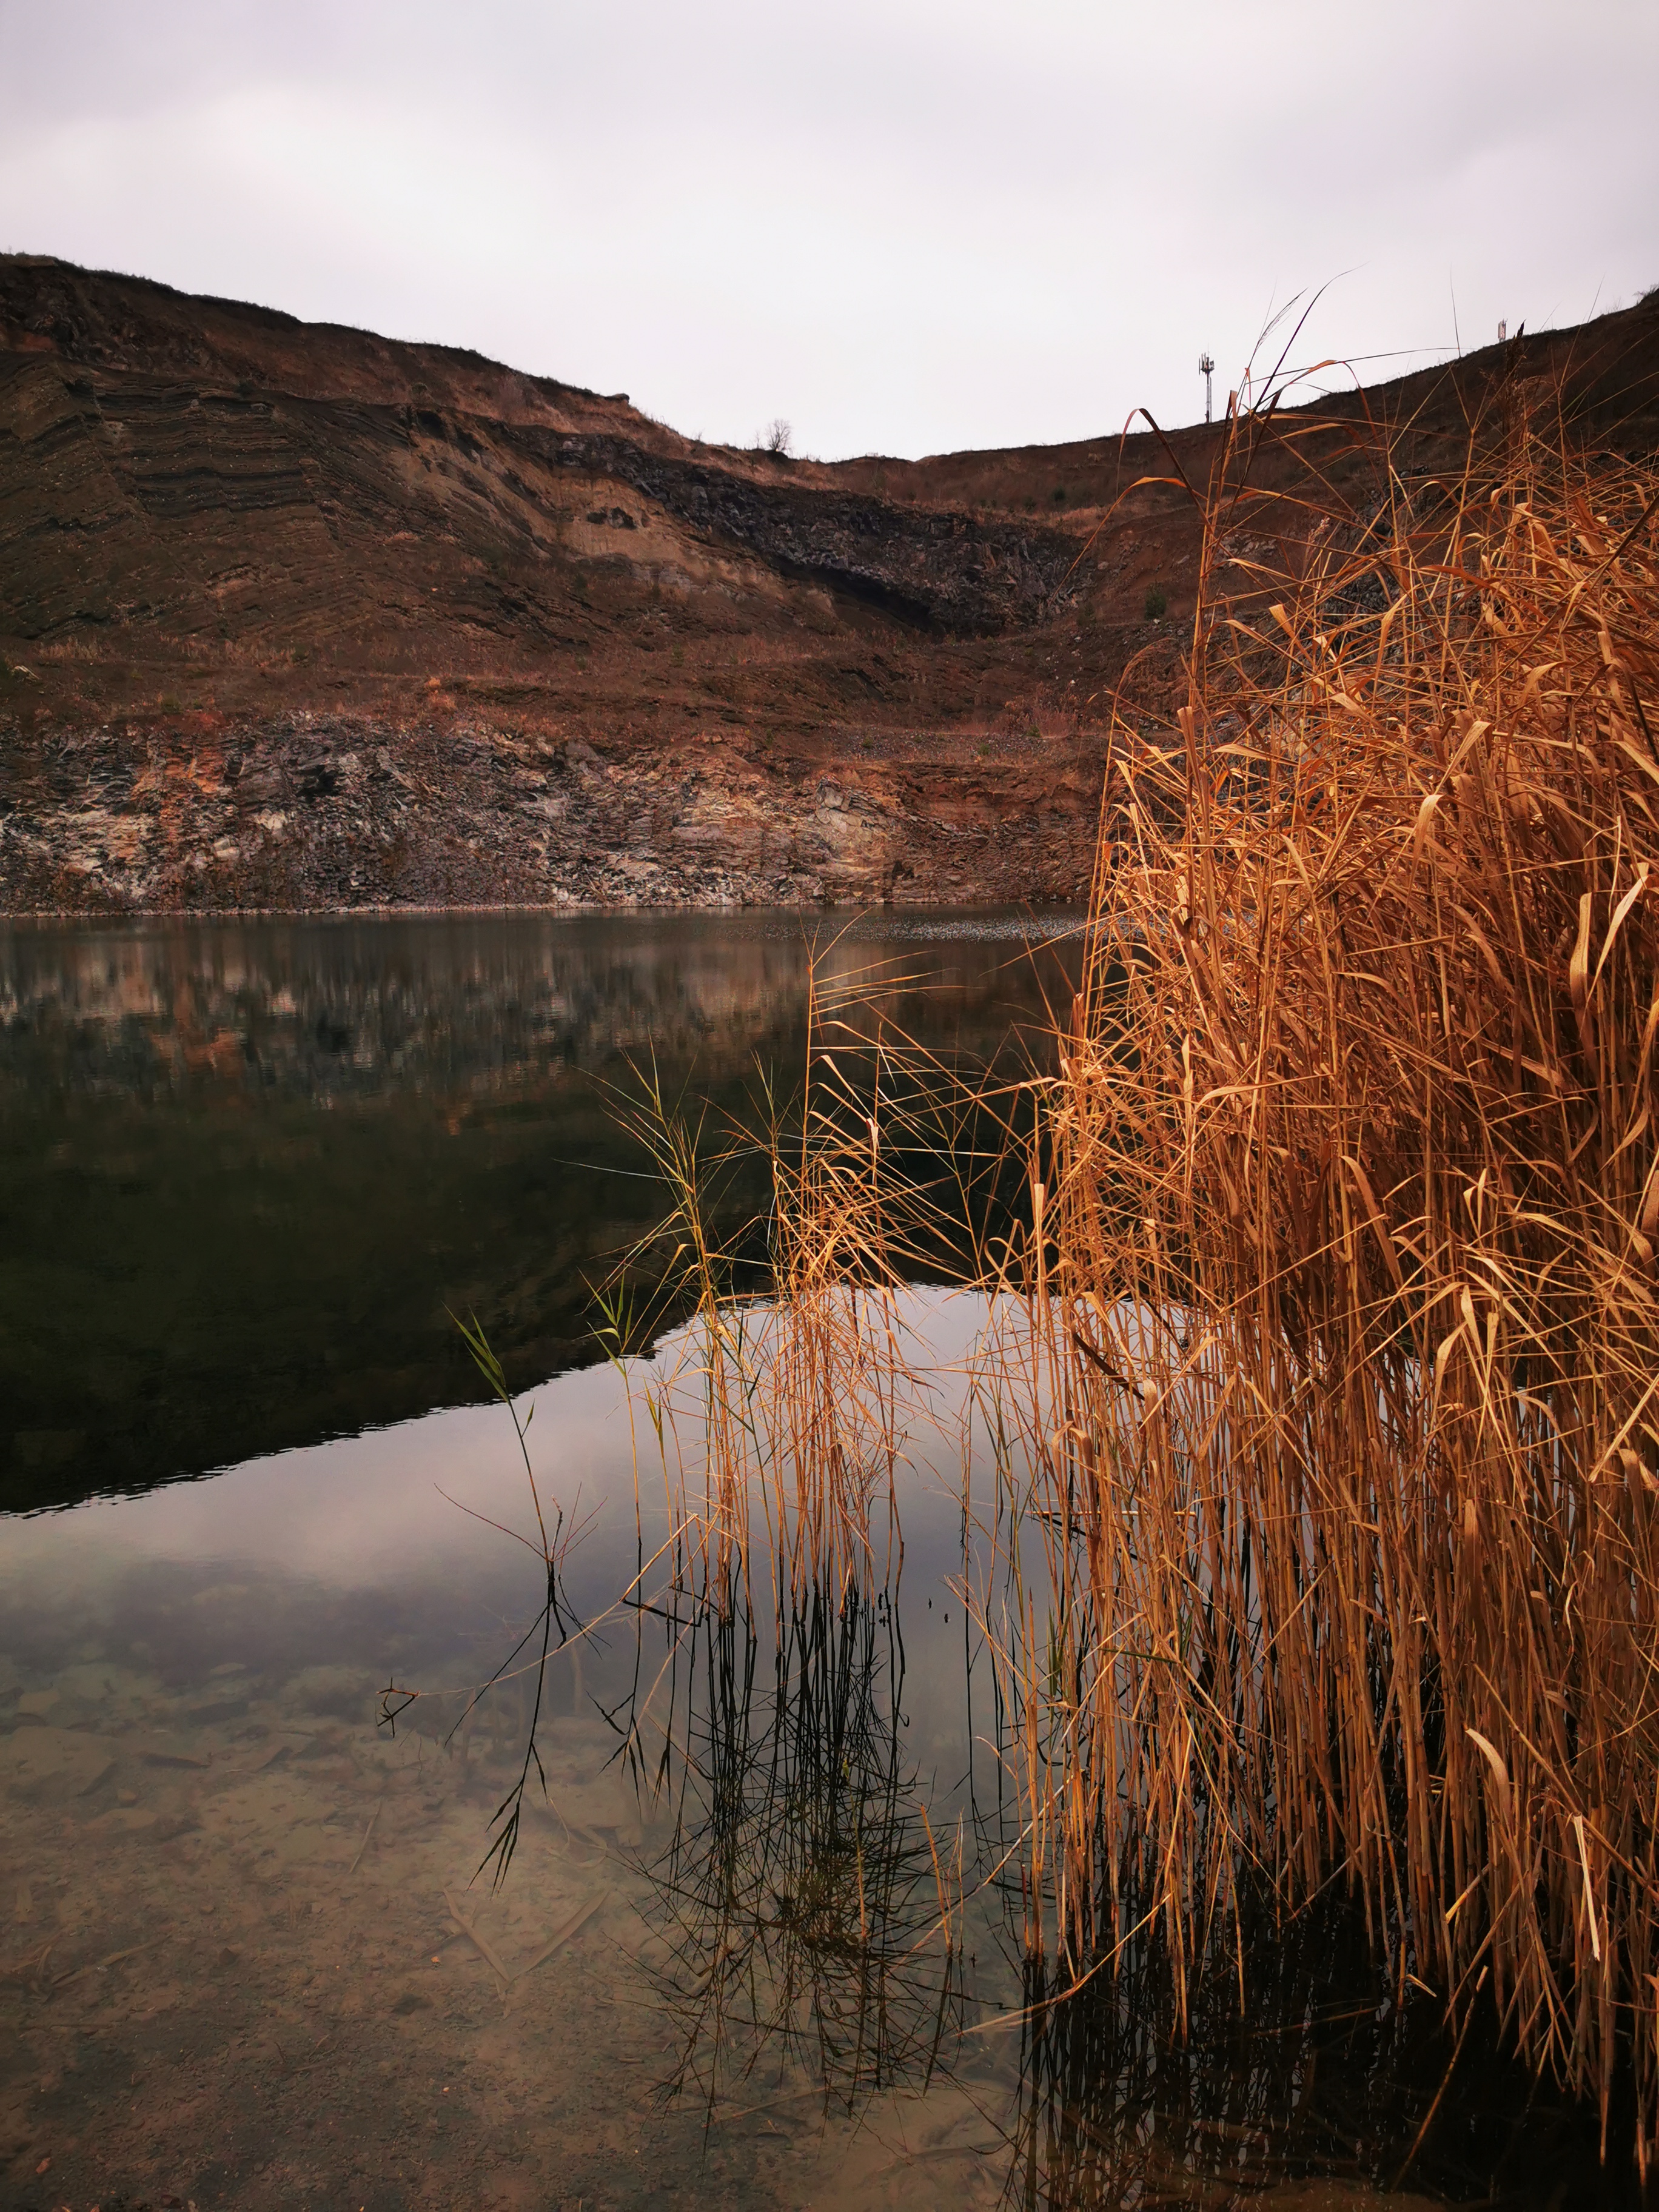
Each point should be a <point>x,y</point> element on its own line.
<point>294,616</point>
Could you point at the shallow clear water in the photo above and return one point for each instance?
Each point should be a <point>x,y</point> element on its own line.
<point>194,1778</point>
<point>248,1958</point>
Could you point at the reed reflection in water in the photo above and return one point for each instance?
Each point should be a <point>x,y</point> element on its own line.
<point>829,1803</point>
<point>804,1899</point>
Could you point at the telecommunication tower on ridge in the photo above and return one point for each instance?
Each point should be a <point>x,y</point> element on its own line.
<point>1207,369</point>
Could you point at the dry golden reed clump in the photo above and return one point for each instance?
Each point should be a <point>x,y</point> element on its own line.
<point>1328,1393</point>
<point>780,1407</point>
<point>1345,1277</point>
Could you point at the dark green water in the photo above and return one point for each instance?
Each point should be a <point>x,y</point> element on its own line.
<point>247,1169</point>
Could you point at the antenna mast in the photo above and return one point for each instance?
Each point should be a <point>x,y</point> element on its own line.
<point>1207,369</point>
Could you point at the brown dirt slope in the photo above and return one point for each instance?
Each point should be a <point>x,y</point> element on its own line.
<point>292,615</point>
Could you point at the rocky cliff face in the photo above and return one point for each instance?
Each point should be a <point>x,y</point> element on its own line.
<point>308,810</point>
<point>292,615</point>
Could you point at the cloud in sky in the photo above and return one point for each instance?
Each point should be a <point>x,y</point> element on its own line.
<point>906,225</point>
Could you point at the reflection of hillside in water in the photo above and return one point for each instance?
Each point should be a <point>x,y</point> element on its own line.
<point>246,1167</point>
<point>328,1012</point>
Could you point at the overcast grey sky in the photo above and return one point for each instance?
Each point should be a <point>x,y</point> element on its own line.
<point>905,225</point>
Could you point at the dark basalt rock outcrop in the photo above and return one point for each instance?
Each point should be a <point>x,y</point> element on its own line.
<point>948,573</point>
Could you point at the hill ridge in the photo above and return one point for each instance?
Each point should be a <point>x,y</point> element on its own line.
<point>296,615</point>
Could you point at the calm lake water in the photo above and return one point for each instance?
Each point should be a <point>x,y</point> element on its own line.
<point>248,1170</point>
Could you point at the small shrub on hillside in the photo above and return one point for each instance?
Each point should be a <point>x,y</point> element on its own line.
<point>1157,604</point>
